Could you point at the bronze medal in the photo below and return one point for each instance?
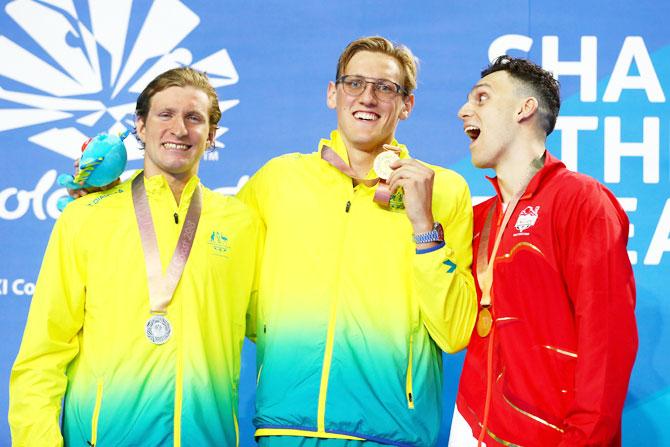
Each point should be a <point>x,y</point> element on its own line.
<point>484,322</point>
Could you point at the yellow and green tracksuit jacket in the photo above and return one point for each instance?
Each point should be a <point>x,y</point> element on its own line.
<point>85,340</point>
<point>351,320</point>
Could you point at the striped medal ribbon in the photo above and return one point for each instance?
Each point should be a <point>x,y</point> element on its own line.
<point>161,287</point>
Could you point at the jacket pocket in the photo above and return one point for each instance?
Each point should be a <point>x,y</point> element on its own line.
<point>408,379</point>
<point>96,412</point>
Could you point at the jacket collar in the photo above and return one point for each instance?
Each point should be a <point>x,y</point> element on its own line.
<point>336,143</point>
<point>157,185</point>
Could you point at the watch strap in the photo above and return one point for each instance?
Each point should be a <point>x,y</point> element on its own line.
<point>434,235</point>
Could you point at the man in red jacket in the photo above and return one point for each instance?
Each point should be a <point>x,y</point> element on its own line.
<point>550,358</point>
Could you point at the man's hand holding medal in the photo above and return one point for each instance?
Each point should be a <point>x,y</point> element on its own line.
<point>416,181</point>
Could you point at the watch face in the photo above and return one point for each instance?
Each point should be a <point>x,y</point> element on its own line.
<point>440,231</point>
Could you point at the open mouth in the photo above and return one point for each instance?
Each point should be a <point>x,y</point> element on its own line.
<point>472,132</point>
<point>366,116</point>
<point>176,146</point>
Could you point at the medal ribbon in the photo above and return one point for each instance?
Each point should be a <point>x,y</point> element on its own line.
<point>382,193</point>
<point>162,287</point>
<point>484,263</point>
<point>485,280</point>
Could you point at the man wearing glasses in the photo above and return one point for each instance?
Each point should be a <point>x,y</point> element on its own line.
<point>366,272</point>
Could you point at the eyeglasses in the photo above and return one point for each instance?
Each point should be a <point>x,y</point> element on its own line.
<point>384,90</point>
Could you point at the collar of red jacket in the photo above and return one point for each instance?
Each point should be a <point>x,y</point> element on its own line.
<point>551,164</point>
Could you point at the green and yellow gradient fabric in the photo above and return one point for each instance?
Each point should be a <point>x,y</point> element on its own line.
<point>351,319</point>
<point>85,339</point>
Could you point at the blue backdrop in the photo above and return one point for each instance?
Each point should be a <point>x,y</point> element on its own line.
<point>74,68</point>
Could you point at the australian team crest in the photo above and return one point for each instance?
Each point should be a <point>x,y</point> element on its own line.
<point>219,243</point>
<point>527,218</point>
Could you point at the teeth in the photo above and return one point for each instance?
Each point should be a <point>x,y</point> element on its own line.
<point>366,116</point>
<point>175,146</point>
<point>472,132</point>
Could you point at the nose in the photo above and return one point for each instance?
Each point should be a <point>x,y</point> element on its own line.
<point>368,95</point>
<point>178,128</point>
<point>464,112</point>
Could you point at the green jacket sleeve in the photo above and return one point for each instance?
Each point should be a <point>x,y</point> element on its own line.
<point>443,282</point>
<point>38,378</point>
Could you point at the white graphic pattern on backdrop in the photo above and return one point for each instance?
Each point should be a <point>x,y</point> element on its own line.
<point>55,26</point>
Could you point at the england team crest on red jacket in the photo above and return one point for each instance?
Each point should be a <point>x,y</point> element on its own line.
<point>527,218</point>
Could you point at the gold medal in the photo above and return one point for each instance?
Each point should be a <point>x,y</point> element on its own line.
<point>484,322</point>
<point>382,164</point>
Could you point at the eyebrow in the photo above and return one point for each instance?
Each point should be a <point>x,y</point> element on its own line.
<point>476,86</point>
<point>174,109</point>
<point>376,79</point>
<point>166,108</point>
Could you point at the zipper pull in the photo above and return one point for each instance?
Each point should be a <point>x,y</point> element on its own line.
<point>176,218</point>
<point>348,207</point>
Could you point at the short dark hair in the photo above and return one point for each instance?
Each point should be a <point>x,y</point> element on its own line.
<point>537,80</point>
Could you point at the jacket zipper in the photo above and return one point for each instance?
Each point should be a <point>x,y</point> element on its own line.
<point>96,413</point>
<point>330,341</point>
<point>258,377</point>
<point>408,382</point>
<point>237,427</point>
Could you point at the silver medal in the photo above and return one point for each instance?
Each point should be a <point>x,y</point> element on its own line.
<point>158,329</point>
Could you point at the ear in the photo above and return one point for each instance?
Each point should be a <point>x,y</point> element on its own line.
<point>140,127</point>
<point>331,96</point>
<point>527,109</point>
<point>407,106</point>
<point>211,137</point>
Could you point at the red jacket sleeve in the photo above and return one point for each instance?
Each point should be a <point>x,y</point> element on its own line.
<point>599,280</point>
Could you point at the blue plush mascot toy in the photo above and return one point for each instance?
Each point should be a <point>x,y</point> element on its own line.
<point>103,160</point>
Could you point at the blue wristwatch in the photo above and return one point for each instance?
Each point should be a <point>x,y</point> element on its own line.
<point>434,235</point>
